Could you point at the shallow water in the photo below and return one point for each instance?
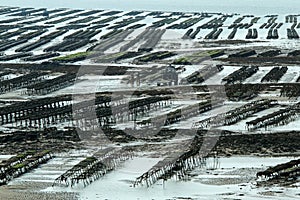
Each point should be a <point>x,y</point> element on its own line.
<point>118,183</point>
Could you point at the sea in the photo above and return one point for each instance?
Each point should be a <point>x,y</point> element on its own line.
<point>255,7</point>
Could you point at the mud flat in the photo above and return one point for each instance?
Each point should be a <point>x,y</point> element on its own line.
<point>168,105</point>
